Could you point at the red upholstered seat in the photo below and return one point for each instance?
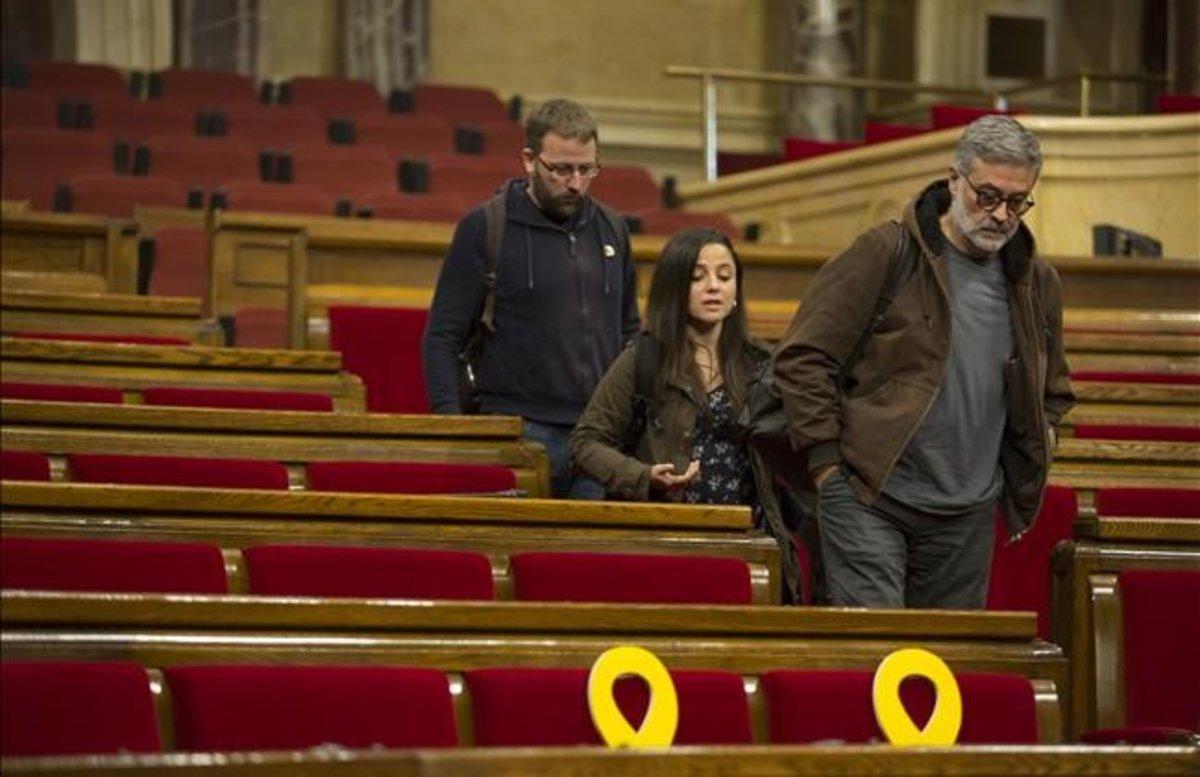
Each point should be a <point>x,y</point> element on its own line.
<point>668,222</point>
<point>36,161</point>
<point>810,706</point>
<point>92,337</point>
<point>50,392</point>
<point>55,708</point>
<point>409,477</point>
<point>471,178</point>
<point>628,577</point>
<point>880,132</point>
<point>1138,735</point>
<point>548,707</point>
<point>1020,577</point>
<point>277,198</point>
<point>135,120</point>
<point>803,148</point>
<point>203,88</point>
<point>628,188</point>
<point>1187,378</point>
<point>413,207</point>
<point>501,136</point>
<point>116,196</point>
<point>459,104</point>
<point>293,707</point>
<point>180,262</point>
<point>272,126</point>
<point>237,399</point>
<point>1149,502</point>
<point>345,171</point>
<point>1169,102</point>
<point>25,109</point>
<point>383,347</point>
<point>405,134</point>
<point>389,573</point>
<point>201,161</point>
<point>108,565</point>
<point>1137,432</point>
<point>76,79</point>
<point>1161,614</point>
<point>336,98</point>
<point>943,115</point>
<point>260,327</point>
<point>731,162</point>
<point>24,465</point>
<point>177,471</point>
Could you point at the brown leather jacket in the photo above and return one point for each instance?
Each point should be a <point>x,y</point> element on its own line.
<point>893,384</point>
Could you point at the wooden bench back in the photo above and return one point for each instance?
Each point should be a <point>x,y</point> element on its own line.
<point>126,314</point>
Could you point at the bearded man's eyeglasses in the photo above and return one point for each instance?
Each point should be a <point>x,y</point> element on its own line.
<point>564,171</point>
<point>989,198</point>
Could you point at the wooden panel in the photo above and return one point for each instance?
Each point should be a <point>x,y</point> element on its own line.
<point>108,314</point>
<point>100,253</point>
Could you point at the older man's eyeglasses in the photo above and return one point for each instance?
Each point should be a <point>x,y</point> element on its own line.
<point>989,198</point>
<point>565,171</point>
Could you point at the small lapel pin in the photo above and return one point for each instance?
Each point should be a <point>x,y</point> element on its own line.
<point>609,251</point>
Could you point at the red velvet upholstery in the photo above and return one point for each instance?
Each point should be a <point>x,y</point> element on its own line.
<point>238,399</point>
<point>24,109</point>
<point>367,572</point>
<point>344,171</point>
<point>277,198</point>
<point>1020,578</point>
<point>204,88</point>
<point>260,327</point>
<point>502,136</point>
<point>383,347</point>
<point>409,477</point>
<point>628,188</point>
<point>76,79</point>
<point>35,161</point>
<point>880,132</point>
<point>116,196</point>
<point>810,706</point>
<point>108,565</point>
<point>548,707</point>
<point>1137,432</point>
<point>336,98</point>
<point>201,161</point>
<point>180,262</point>
<point>50,392</point>
<point>1161,613</point>
<point>731,162</point>
<point>92,337</point>
<point>459,104</point>
<point>136,120</point>
<point>406,134</point>
<point>413,207</point>
<point>1185,378</point>
<point>943,116</point>
<point>471,178</point>
<point>177,471</point>
<point>803,148</point>
<point>1149,502</point>
<point>24,465</point>
<point>1138,735</point>
<point>58,708</point>
<point>272,126</point>
<point>627,577</point>
<point>668,222</point>
<point>1178,103</point>
<point>293,707</point>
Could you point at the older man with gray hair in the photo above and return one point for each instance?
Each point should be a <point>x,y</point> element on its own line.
<point>923,377</point>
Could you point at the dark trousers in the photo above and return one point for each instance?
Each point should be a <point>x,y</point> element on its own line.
<point>888,556</point>
<point>565,483</point>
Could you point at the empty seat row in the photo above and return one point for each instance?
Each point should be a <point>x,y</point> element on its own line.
<point>33,563</point>
<point>60,707</point>
<point>401,477</point>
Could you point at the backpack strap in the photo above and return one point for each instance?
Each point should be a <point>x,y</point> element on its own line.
<point>494,216</point>
<point>645,363</point>
<point>901,264</point>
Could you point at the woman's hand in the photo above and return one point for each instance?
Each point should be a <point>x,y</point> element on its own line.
<point>663,477</point>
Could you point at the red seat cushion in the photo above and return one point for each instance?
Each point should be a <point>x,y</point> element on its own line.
<point>336,98</point>
<point>880,132</point>
<point>250,399</point>
<point>383,347</point>
<point>92,337</point>
<point>204,88</point>
<point>108,565</point>
<point>177,471</point>
<point>397,573</point>
<point>180,262</point>
<point>1149,502</point>
<point>944,115</point>
<point>405,477</point>
<point>49,392</point>
<point>1138,735</point>
<point>1161,613</point>
<point>1185,378</point>
<point>292,707</point>
<point>459,103</point>
<point>1020,578</point>
<point>627,577</point>
<point>810,706</point>
<point>1137,432</point>
<point>24,465</point>
<point>117,196</point>
<point>260,327</point>
<point>276,198</point>
<point>1169,102</point>
<point>58,708</point>
<point>547,707</point>
<point>36,161</point>
<point>668,222</point>
<point>803,148</point>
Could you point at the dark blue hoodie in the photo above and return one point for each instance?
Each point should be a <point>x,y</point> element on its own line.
<point>566,302</point>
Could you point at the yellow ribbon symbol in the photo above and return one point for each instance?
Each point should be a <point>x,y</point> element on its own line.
<point>944,723</point>
<point>662,715</point>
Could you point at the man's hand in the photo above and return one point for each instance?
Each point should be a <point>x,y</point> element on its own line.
<point>663,477</point>
<point>820,478</point>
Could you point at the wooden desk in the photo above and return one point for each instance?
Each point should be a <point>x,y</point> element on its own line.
<point>67,252</point>
<point>129,314</point>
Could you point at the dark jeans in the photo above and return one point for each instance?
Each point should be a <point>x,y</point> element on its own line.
<point>887,555</point>
<point>564,483</point>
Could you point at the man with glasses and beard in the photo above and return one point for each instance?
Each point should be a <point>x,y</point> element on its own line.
<point>563,299</point>
<point>922,379</point>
